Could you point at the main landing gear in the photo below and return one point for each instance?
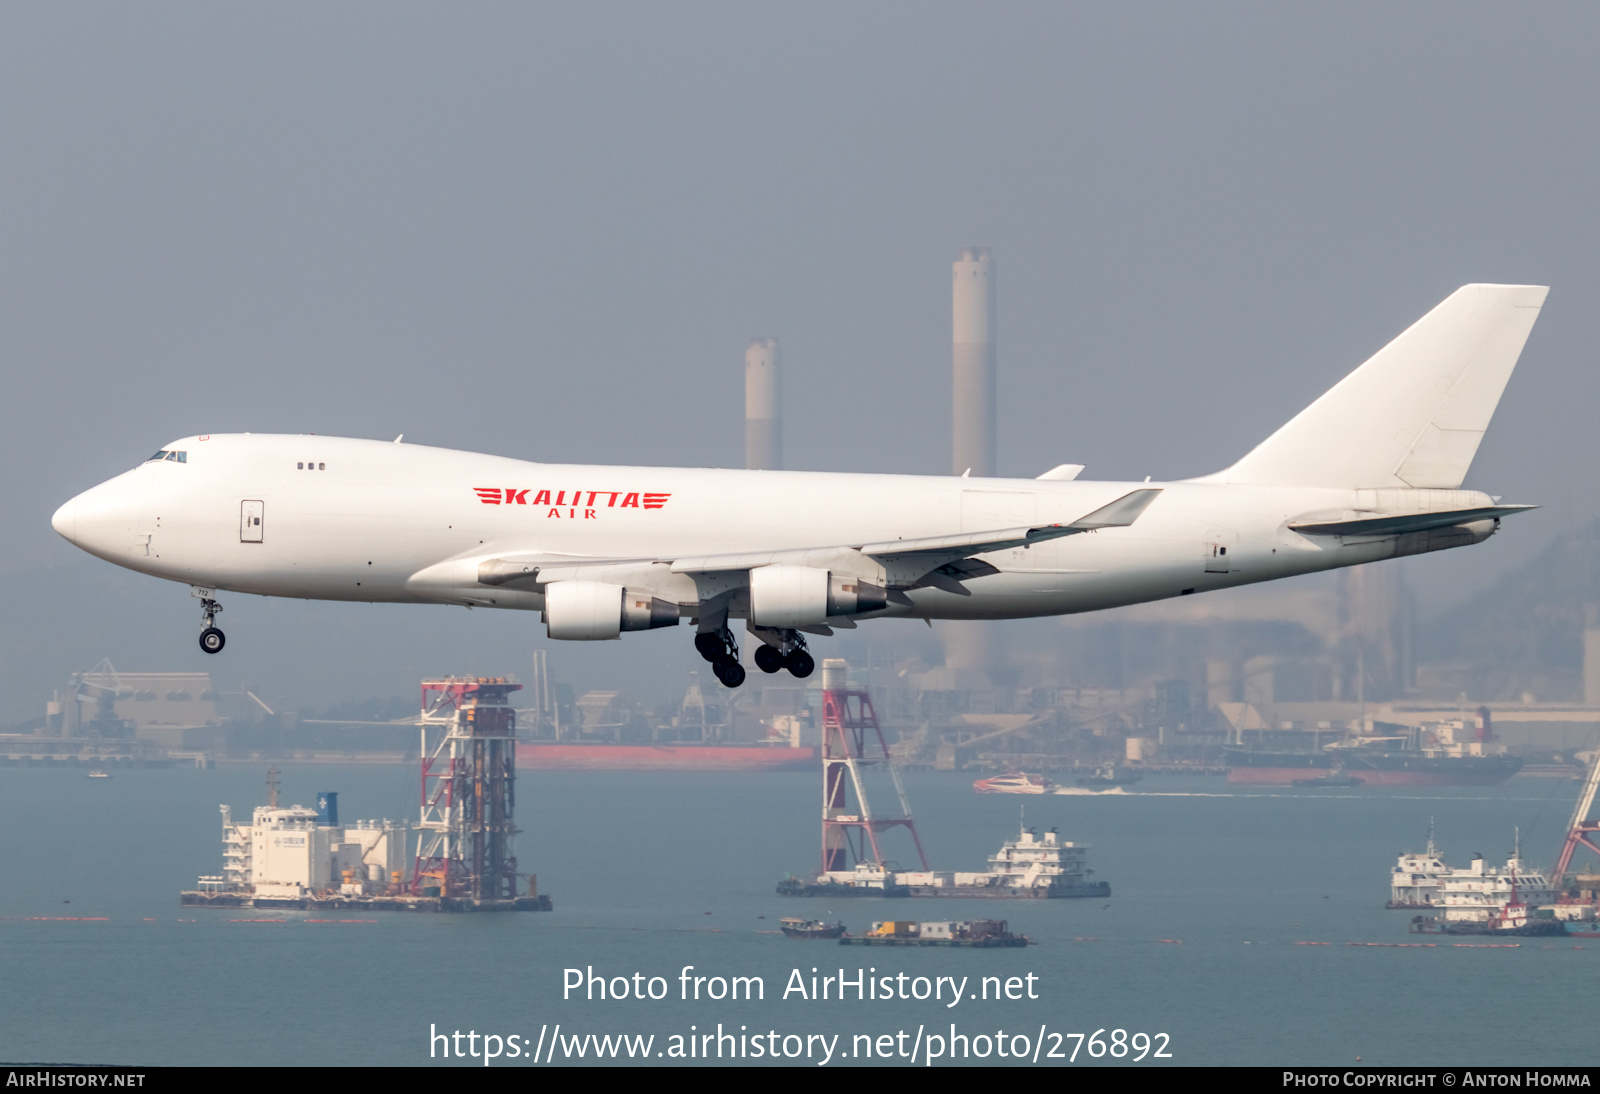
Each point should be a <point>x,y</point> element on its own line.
<point>797,661</point>
<point>791,655</point>
<point>722,651</point>
<point>789,652</point>
<point>211,639</point>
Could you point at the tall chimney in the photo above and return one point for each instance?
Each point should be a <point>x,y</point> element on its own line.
<point>973,358</point>
<point>763,424</point>
<point>968,644</point>
<point>1591,655</point>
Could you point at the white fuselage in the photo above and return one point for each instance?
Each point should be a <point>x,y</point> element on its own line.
<point>344,519</point>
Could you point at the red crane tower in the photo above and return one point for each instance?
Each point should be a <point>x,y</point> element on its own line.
<point>468,791</point>
<point>852,746</point>
<point>1582,828</point>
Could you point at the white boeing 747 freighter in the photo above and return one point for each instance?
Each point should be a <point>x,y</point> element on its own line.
<point>1371,470</point>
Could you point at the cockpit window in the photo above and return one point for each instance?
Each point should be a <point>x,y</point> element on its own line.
<point>174,456</point>
<point>161,455</point>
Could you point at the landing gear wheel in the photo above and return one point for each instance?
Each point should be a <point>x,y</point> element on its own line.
<point>710,645</point>
<point>729,671</point>
<point>768,659</point>
<point>799,664</point>
<point>212,640</point>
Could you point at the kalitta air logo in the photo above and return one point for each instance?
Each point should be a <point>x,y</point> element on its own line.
<point>581,505</point>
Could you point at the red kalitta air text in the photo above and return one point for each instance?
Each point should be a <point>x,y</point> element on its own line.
<point>570,504</point>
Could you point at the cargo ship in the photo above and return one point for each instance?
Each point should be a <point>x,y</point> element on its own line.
<point>1447,753</point>
<point>1373,766</point>
<point>563,756</point>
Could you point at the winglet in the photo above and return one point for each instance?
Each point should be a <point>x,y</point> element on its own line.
<point>1119,514</point>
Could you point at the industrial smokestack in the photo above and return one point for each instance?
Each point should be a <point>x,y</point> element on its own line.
<point>968,644</point>
<point>973,358</point>
<point>763,423</point>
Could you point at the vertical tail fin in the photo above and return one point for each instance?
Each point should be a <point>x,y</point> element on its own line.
<point>1413,415</point>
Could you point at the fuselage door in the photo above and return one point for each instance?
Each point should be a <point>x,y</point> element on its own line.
<point>251,515</point>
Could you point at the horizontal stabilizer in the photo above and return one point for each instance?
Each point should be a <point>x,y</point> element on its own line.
<point>1406,522</point>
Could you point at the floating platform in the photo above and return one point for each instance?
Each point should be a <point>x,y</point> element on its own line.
<point>794,886</point>
<point>198,899</point>
<point>1090,890</point>
<point>969,943</point>
<point>977,934</point>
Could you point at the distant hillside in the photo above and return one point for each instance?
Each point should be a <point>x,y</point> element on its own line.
<point>1525,634</point>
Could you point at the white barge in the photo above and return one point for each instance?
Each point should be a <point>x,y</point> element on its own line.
<point>1033,866</point>
<point>1476,895</point>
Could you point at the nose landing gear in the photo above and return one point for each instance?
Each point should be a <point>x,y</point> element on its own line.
<point>211,639</point>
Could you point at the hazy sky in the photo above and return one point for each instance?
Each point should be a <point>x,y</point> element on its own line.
<point>548,231</point>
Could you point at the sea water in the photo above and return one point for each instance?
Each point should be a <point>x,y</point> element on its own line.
<point>1227,938</point>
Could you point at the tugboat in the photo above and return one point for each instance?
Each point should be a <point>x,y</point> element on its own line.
<point>1513,917</point>
<point>1014,782</point>
<point>793,927</point>
<point>1107,775</point>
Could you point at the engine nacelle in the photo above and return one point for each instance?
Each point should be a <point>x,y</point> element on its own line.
<point>589,611</point>
<point>643,612</point>
<point>852,596</point>
<point>801,596</point>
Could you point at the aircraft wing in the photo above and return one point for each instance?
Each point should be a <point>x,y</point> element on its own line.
<point>939,561</point>
<point>903,556</point>
<point>1405,522</point>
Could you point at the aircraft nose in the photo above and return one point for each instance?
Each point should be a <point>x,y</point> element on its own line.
<point>65,521</point>
<point>105,520</point>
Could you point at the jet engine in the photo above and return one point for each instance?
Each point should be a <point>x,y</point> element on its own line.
<point>801,596</point>
<point>582,611</point>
